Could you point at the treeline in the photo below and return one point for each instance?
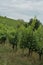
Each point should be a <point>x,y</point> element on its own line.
<point>25,35</point>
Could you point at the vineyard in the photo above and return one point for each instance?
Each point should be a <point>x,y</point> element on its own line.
<point>21,43</point>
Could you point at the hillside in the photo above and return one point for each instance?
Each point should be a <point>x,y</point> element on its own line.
<point>21,43</point>
<point>10,22</point>
<point>7,24</point>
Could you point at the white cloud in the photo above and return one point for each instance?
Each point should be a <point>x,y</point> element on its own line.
<point>24,9</point>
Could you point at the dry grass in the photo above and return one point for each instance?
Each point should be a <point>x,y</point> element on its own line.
<point>10,57</point>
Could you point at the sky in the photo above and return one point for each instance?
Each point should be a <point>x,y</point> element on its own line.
<point>22,9</point>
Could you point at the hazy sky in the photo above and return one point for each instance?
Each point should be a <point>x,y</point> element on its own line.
<point>22,9</point>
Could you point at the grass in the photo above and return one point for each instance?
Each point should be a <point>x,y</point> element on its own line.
<point>10,57</point>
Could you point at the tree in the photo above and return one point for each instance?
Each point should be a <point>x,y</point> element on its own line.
<point>39,38</point>
<point>3,39</point>
<point>22,35</point>
<point>28,40</point>
<point>3,36</point>
<point>37,24</point>
<point>13,39</point>
<point>31,42</point>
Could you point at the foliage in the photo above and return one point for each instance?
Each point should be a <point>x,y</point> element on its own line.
<point>28,35</point>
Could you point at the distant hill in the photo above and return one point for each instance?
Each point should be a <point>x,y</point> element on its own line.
<point>11,22</point>
<point>9,25</point>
